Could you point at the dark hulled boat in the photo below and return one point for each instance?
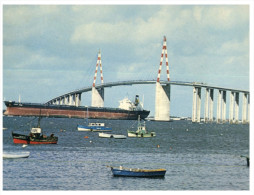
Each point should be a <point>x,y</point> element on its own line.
<point>69,111</point>
<point>127,172</point>
<point>35,137</point>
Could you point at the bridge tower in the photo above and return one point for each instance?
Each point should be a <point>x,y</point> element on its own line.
<point>98,94</point>
<point>162,94</point>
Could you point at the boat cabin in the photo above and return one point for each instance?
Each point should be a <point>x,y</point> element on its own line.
<point>35,130</point>
<point>97,124</point>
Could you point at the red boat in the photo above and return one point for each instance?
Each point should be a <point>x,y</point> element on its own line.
<point>35,137</point>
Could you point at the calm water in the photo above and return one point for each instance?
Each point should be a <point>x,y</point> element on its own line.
<point>196,156</point>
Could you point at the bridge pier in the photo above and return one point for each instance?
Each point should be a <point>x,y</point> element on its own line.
<point>236,107</point>
<point>162,102</point>
<point>246,108</point>
<point>196,104</point>
<point>78,99</point>
<point>206,113</point>
<point>219,99</point>
<point>211,105</point>
<point>66,100</point>
<point>71,99</point>
<point>224,106</point>
<point>221,106</point>
<point>97,97</point>
<point>231,107</point>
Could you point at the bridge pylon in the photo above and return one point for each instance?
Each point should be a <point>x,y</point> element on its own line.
<point>162,94</point>
<point>98,95</point>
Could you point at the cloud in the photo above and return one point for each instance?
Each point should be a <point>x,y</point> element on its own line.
<point>205,43</point>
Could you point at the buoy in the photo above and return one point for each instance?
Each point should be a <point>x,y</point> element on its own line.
<point>24,145</point>
<point>158,146</point>
<point>86,137</point>
<point>90,141</point>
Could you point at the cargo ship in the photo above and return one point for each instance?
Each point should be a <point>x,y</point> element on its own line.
<point>127,110</point>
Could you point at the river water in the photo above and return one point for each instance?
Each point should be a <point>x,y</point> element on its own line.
<point>196,156</point>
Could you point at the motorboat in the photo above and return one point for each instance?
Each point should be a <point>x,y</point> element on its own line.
<point>141,131</point>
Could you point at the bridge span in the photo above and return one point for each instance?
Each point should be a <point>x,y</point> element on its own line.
<point>140,82</point>
<point>74,98</point>
<point>163,93</point>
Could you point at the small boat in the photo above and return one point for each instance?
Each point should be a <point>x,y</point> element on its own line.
<point>127,172</point>
<point>93,127</point>
<point>106,135</point>
<point>35,137</point>
<point>16,154</point>
<point>141,132</point>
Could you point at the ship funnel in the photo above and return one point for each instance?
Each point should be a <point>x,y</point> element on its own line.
<point>136,100</point>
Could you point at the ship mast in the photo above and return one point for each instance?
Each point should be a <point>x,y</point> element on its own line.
<point>39,120</point>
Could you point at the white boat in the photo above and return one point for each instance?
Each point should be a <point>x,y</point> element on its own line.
<point>16,154</point>
<point>107,135</point>
<point>93,127</point>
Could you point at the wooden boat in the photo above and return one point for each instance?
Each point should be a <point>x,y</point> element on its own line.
<point>141,131</point>
<point>16,154</point>
<point>127,172</point>
<point>35,137</point>
<point>106,135</point>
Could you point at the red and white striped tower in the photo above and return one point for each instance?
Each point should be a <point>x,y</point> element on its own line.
<point>96,70</point>
<point>164,51</point>
<point>98,94</point>
<point>162,92</point>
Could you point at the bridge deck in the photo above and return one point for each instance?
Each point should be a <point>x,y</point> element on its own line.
<point>139,82</point>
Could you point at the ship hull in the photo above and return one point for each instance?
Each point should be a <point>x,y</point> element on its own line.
<point>64,111</point>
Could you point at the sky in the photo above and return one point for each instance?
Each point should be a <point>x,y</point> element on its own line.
<point>49,50</point>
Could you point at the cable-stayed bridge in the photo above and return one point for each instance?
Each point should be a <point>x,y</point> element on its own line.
<point>163,93</point>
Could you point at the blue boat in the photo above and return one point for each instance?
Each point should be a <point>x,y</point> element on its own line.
<point>127,172</point>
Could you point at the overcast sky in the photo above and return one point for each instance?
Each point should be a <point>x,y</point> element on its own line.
<point>51,50</point>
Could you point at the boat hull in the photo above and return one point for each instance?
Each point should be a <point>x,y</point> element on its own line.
<point>65,111</point>
<point>93,128</point>
<point>106,135</point>
<point>134,134</point>
<point>138,172</point>
<point>24,139</point>
<point>12,155</point>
